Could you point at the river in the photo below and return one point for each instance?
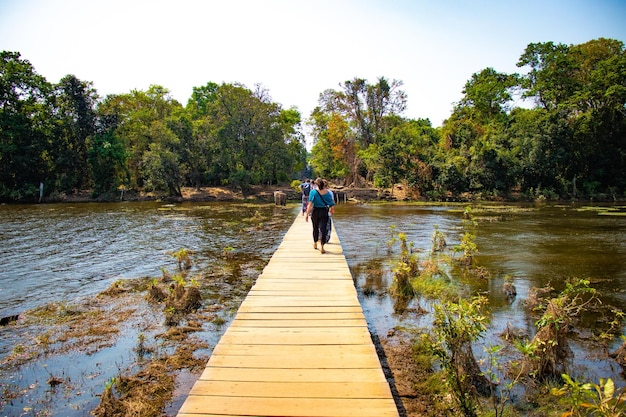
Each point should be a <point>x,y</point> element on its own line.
<point>66,252</point>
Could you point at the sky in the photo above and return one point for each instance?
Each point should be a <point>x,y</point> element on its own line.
<point>295,49</point>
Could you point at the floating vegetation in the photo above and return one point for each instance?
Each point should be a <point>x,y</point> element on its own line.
<point>605,211</point>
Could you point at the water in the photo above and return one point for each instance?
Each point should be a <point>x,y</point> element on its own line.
<point>65,252</point>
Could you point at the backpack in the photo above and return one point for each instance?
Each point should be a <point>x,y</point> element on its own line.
<point>306,188</point>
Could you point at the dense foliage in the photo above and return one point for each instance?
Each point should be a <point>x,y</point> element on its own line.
<point>566,138</point>
<point>65,137</point>
<point>559,130</point>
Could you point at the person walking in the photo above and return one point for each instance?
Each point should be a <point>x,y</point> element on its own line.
<point>305,187</point>
<point>321,203</point>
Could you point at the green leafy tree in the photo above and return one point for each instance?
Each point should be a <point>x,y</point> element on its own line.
<point>201,98</point>
<point>26,128</point>
<point>161,168</point>
<point>473,135</point>
<point>291,125</point>
<point>254,138</point>
<point>141,120</point>
<point>403,154</point>
<point>107,158</point>
<point>488,95</point>
<point>75,102</point>
<point>582,89</point>
<point>550,80</point>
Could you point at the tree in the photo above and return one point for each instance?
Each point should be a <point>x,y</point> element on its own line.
<point>326,159</point>
<point>488,94</point>
<point>201,98</point>
<point>140,119</point>
<point>405,154</point>
<point>364,108</point>
<point>161,169</point>
<point>583,88</point>
<point>107,158</point>
<point>74,102</point>
<point>550,80</point>
<point>252,136</point>
<point>25,128</point>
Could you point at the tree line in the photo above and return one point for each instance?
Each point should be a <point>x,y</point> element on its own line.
<point>556,131</point>
<point>64,136</point>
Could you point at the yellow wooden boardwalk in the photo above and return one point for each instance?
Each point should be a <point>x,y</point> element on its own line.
<point>299,344</point>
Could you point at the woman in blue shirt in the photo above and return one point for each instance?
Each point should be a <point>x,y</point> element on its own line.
<point>321,202</point>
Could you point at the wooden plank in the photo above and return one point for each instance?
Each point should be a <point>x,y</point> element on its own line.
<point>300,315</point>
<point>289,289</point>
<point>297,336</point>
<point>308,287</point>
<point>301,302</point>
<point>297,407</point>
<point>343,351</point>
<point>292,375</point>
<point>245,308</point>
<point>292,389</point>
<point>279,298</point>
<point>295,362</point>
<point>302,284</point>
<point>300,323</point>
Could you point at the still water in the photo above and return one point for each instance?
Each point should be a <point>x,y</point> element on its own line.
<point>65,252</point>
<point>535,245</point>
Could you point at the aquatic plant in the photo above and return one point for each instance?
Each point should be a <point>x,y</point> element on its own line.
<point>182,299</point>
<point>438,240</point>
<point>550,347</point>
<point>467,248</point>
<point>144,393</point>
<point>184,259</point>
<point>141,349</point>
<point>166,276</point>
<point>155,292</point>
<point>456,327</point>
<point>406,269</point>
<point>392,239</point>
<point>434,283</point>
<point>218,320</point>
<point>601,399</point>
<point>501,390</point>
<point>469,220</point>
<point>228,252</point>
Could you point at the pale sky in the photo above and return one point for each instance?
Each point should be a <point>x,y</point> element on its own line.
<point>296,49</point>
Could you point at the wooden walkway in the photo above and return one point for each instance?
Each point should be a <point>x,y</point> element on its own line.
<point>299,344</point>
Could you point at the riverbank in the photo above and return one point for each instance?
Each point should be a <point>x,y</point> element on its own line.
<point>257,193</point>
<point>265,194</point>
